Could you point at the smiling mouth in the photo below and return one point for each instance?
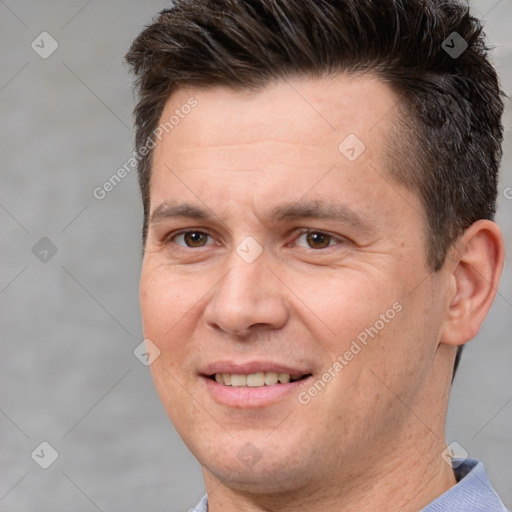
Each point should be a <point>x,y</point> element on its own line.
<point>255,380</point>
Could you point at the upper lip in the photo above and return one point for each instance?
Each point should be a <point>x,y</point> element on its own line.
<point>248,367</point>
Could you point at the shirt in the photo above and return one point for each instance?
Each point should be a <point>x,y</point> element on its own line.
<point>472,493</point>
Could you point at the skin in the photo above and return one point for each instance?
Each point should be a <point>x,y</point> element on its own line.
<point>373,438</point>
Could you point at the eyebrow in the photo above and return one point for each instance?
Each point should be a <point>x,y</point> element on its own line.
<point>316,209</point>
<point>168,210</point>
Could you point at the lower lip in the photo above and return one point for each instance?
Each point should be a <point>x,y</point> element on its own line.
<point>246,397</point>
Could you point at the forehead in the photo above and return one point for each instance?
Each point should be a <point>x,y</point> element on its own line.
<point>316,114</point>
<point>296,137</point>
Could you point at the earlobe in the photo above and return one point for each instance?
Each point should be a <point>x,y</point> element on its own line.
<point>476,266</point>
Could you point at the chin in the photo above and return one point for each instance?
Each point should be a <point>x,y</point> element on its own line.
<point>256,463</point>
<point>266,477</point>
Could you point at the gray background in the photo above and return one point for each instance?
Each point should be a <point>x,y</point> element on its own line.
<point>69,326</point>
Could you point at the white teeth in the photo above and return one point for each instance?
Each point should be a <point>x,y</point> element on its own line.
<point>284,378</point>
<point>238,380</point>
<point>271,378</point>
<point>253,380</point>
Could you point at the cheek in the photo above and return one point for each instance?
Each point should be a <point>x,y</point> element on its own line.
<point>167,312</point>
<point>396,359</point>
<point>346,304</point>
<point>381,334</point>
<point>167,302</point>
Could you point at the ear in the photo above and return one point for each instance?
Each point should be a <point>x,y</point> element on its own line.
<point>475,265</point>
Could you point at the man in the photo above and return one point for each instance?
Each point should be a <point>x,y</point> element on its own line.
<point>319,183</point>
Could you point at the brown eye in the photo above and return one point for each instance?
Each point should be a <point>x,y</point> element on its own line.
<point>192,239</point>
<point>316,240</point>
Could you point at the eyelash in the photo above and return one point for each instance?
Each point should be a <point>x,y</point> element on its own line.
<point>340,239</point>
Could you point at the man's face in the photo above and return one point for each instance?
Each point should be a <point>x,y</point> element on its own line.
<point>265,282</point>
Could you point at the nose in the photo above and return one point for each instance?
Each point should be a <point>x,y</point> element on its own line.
<point>250,297</point>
